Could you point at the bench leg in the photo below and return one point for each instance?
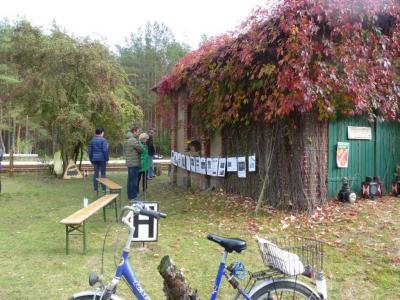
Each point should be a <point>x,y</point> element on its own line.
<point>116,209</point>
<point>104,214</point>
<point>69,229</point>
<point>119,198</point>
<point>117,191</point>
<point>84,239</point>
<point>66,239</point>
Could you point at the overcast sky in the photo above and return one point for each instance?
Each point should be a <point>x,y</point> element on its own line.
<point>112,21</point>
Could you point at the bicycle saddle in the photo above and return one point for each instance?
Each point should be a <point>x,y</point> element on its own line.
<point>229,244</point>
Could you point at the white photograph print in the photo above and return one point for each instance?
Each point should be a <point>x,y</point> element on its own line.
<point>214,166</point>
<point>203,165</point>
<point>192,164</point>
<point>241,164</point>
<point>221,167</point>
<point>209,166</point>
<point>231,164</point>
<point>183,158</point>
<point>188,162</point>
<point>252,163</point>
<point>198,165</point>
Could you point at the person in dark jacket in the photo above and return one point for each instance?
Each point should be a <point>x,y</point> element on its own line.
<point>152,152</point>
<point>132,150</point>
<point>98,156</point>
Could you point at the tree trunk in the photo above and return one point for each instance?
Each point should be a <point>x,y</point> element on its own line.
<point>14,129</point>
<point>64,156</point>
<point>264,187</point>
<point>1,131</point>
<point>54,140</point>
<point>27,150</point>
<point>175,285</point>
<point>18,138</point>
<point>269,150</point>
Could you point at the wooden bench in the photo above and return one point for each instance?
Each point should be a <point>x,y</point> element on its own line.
<point>76,221</point>
<point>113,187</point>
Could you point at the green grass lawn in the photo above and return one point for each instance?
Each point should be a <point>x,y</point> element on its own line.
<point>362,261</point>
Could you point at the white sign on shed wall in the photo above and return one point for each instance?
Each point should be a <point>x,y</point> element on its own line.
<point>359,133</point>
<point>146,228</point>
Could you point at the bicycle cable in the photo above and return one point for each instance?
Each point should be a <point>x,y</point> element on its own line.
<point>116,265</point>
<point>102,252</point>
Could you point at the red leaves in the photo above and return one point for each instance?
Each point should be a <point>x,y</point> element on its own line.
<point>314,50</point>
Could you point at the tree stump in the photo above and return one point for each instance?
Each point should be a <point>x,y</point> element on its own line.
<point>175,285</point>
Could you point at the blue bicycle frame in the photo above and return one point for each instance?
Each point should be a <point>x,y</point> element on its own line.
<point>124,269</point>
<point>218,279</point>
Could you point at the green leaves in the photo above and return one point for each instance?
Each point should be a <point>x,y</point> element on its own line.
<point>67,86</point>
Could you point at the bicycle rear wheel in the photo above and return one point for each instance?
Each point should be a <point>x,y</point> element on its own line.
<point>87,297</point>
<point>284,290</point>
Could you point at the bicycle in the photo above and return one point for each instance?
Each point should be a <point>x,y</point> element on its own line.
<point>279,281</point>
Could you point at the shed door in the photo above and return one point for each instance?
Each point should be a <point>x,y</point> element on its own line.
<point>387,151</point>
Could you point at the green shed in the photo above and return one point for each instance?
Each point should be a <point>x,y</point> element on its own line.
<point>373,154</point>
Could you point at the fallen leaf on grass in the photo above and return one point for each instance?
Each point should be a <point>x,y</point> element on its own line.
<point>285,225</point>
<point>395,260</point>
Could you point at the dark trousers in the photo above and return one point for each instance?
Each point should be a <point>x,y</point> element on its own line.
<point>143,175</point>
<point>99,167</point>
<point>151,171</point>
<point>132,184</point>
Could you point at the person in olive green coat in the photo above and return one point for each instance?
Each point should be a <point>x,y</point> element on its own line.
<point>132,150</point>
<point>144,162</point>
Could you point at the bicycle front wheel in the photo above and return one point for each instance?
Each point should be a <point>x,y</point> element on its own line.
<point>92,295</point>
<point>284,290</point>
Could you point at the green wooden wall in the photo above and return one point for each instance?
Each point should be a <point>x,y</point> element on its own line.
<point>375,157</point>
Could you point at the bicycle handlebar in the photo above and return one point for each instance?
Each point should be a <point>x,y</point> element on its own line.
<point>139,208</point>
<point>152,213</point>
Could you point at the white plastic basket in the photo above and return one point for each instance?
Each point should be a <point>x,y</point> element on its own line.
<point>290,255</point>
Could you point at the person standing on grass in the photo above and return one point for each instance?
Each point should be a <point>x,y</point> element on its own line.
<point>152,152</point>
<point>132,149</point>
<point>144,162</point>
<point>98,156</point>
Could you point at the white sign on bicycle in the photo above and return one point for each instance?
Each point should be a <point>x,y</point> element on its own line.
<point>146,228</point>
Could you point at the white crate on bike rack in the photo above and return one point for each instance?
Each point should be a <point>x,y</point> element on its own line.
<point>291,255</point>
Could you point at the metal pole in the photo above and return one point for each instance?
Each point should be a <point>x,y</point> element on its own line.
<point>145,185</point>
<point>11,163</point>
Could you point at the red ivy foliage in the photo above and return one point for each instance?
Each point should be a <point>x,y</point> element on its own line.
<point>330,56</point>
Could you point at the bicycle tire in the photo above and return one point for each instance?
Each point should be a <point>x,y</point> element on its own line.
<point>86,297</point>
<point>285,289</point>
<point>92,295</point>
